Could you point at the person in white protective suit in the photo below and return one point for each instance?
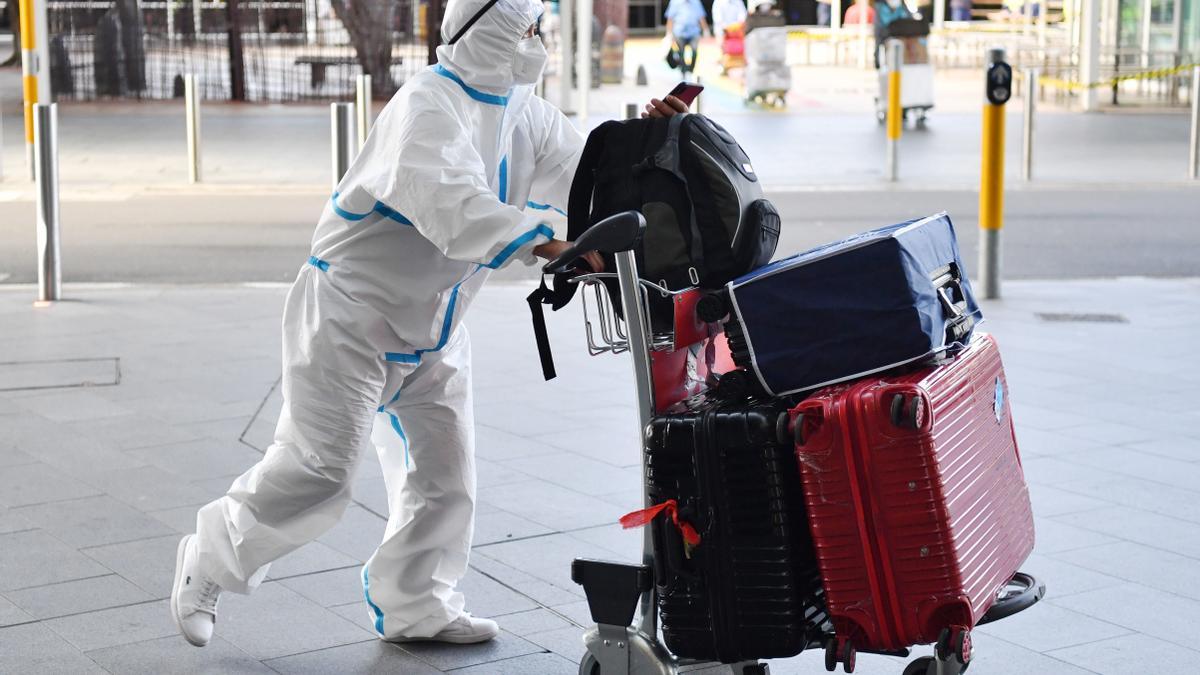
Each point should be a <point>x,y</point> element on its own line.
<point>465,171</point>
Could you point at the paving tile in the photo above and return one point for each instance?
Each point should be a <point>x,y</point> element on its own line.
<point>1036,442</point>
<point>117,626</point>
<point>550,505</point>
<point>1184,448</point>
<point>93,521</point>
<point>497,444</point>
<point>500,526</point>
<point>276,621</point>
<point>34,649</point>
<point>1049,501</point>
<point>488,597</point>
<point>13,521</point>
<point>39,483</point>
<point>567,642</point>
<point>533,621</point>
<point>1063,579</point>
<point>623,544</point>
<point>370,493</point>
<point>1139,494</point>
<point>577,473</point>
<point>151,656</point>
<point>200,459</point>
<point>1148,566</point>
<point>130,432</point>
<point>616,444</point>
<point>1045,627</point>
<point>1151,529</point>
<point>491,473</point>
<point>1139,608</point>
<point>11,614</point>
<point>366,658</point>
<point>70,405</point>
<point>1156,468</point>
<point>530,664</point>
<point>309,558</point>
<point>357,613</point>
<point>76,597</point>
<point>993,655</point>
<point>448,657</point>
<point>328,589</point>
<point>11,456</point>
<point>357,534</point>
<point>1131,654</point>
<point>148,563</point>
<point>1060,469</point>
<point>576,611</point>
<point>34,558</point>
<point>1054,536</point>
<point>149,488</point>
<point>180,519</point>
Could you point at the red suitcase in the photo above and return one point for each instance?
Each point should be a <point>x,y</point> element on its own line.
<point>918,506</point>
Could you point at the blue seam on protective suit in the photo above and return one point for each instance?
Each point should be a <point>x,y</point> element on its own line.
<point>504,180</point>
<point>447,322</point>
<point>517,243</point>
<point>318,263</point>
<point>400,432</point>
<point>380,208</point>
<point>544,207</point>
<point>482,97</point>
<point>373,606</point>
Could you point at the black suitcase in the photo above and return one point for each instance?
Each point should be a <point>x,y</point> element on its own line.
<point>751,588</point>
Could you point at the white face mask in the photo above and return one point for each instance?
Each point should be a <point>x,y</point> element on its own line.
<point>529,60</point>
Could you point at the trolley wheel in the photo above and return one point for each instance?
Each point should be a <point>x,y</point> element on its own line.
<point>589,665</point>
<point>831,654</point>
<point>1020,593</point>
<point>849,656</point>
<point>942,647</point>
<point>880,116</point>
<point>920,118</point>
<point>926,665</point>
<point>961,646</point>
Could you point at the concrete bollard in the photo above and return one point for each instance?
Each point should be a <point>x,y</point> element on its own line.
<point>632,111</point>
<point>45,170</point>
<point>641,76</point>
<point>1031,90</point>
<point>612,56</point>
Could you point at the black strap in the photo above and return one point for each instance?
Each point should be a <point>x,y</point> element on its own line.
<point>462,31</point>
<point>535,300</point>
<point>579,202</point>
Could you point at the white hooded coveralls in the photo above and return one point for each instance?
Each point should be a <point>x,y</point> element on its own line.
<point>463,172</point>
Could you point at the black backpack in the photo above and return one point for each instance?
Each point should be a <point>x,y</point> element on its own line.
<point>707,222</point>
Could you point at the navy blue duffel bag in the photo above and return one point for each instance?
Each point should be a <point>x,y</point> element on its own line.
<point>868,303</point>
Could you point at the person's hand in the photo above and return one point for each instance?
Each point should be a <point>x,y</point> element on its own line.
<point>555,247</point>
<point>666,108</point>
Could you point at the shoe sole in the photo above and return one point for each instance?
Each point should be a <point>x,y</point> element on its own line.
<point>179,553</point>
<point>453,641</point>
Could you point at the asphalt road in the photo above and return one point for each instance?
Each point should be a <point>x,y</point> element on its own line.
<point>1060,233</point>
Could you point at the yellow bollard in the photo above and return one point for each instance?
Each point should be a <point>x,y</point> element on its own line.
<point>895,114</point>
<point>991,184</point>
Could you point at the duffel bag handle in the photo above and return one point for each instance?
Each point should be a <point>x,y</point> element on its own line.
<point>947,280</point>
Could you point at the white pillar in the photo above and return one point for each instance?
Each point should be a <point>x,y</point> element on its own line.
<point>566,51</point>
<point>835,15</point>
<point>1089,51</point>
<point>1147,6</point>
<point>939,14</point>
<point>310,20</point>
<point>583,60</point>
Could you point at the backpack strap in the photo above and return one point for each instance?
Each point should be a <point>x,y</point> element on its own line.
<point>668,158</point>
<point>542,295</point>
<point>579,201</point>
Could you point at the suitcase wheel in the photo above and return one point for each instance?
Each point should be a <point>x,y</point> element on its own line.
<point>954,643</point>
<point>908,412</point>
<point>841,651</point>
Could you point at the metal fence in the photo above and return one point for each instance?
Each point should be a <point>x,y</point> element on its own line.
<point>291,50</point>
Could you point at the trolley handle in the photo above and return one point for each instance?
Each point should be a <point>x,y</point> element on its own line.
<point>620,232</point>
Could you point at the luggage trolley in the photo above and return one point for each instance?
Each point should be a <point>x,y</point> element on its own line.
<point>916,72</point>
<point>616,592</point>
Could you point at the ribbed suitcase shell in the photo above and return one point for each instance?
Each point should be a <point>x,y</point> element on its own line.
<point>915,529</point>
<point>751,588</point>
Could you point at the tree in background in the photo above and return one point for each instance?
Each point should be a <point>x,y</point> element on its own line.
<point>369,23</point>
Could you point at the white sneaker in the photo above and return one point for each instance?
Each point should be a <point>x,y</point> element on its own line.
<point>193,597</point>
<point>464,630</point>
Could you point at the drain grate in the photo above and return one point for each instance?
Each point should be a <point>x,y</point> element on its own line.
<point>60,374</point>
<point>1085,317</point>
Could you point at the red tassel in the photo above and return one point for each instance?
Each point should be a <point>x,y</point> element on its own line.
<point>643,517</point>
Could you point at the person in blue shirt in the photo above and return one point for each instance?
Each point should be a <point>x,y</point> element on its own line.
<point>686,21</point>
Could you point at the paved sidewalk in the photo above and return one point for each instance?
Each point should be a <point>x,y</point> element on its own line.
<point>98,482</point>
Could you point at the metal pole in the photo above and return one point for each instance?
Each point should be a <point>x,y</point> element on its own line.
<point>1194,155</point>
<point>895,114</point>
<point>362,104</point>
<point>45,139</point>
<point>191,106</point>
<point>566,59</point>
<point>696,103</point>
<point>1031,88</point>
<point>632,111</point>
<point>35,62</point>
<point>583,57</point>
<point>341,119</point>
<point>991,188</point>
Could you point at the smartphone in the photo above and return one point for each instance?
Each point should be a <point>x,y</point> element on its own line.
<point>687,91</point>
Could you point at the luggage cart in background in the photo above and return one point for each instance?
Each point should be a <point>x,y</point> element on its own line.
<point>617,592</point>
<point>916,72</point>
